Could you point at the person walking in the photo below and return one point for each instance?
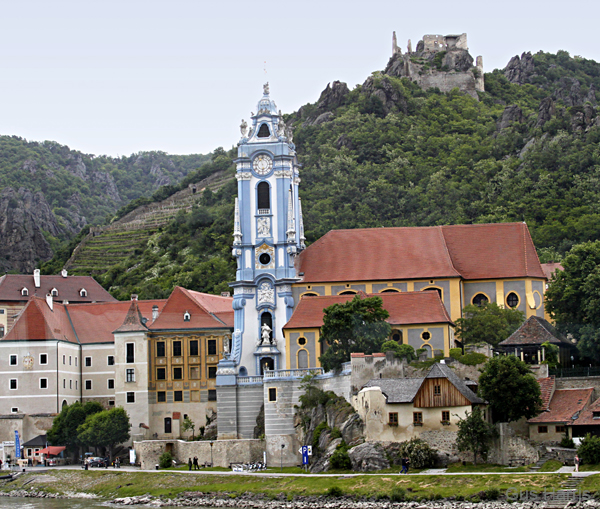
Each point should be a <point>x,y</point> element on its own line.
<point>404,466</point>
<point>196,466</point>
<point>577,462</point>
<point>190,464</point>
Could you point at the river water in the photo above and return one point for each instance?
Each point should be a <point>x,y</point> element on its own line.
<point>50,503</point>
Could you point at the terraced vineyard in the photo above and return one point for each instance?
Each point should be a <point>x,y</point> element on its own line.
<point>107,246</point>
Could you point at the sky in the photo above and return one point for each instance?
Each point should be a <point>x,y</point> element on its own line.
<point>119,77</point>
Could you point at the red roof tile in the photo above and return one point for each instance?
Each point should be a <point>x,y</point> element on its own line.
<point>536,331</point>
<point>206,312</point>
<point>550,268</point>
<point>68,288</point>
<point>475,251</point>
<point>547,386</point>
<point>404,308</point>
<point>38,322</point>
<point>564,406</point>
<point>134,321</point>
<point>586,417</point>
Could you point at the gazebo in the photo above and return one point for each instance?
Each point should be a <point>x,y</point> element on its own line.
<point>526,342</point>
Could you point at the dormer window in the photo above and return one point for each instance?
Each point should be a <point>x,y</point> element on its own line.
<point>595,415</point>
<point>54,292</point>
<point>24,292</point>
<point>83,292</point>
<point>264,132</point>
<point>186,316</point>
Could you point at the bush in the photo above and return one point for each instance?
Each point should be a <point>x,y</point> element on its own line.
<point>340,460</point>
<point>165,460</point>
<point>419,351</point>
<point>491,494</point>
<point>336,433</point>
<point>418,452</point>
<point>317,434</point>
<point>567,443</point>
<point>589,450</point>
<point>456,353</point>
<point>334,491</point>
<point>398,494</point>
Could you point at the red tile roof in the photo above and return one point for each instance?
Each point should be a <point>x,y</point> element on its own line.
<point>134,321</point>
<point>550,268</point>
<point>206,311</point>
<point>68,288</point>
<point>565,405</point>
<point>405,308</point>
<point>475,251</point>
<point>38,322</point>
<point>547,386</point>
<point>586,417</point>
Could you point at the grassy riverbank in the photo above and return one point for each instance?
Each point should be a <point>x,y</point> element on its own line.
<point>111,484</point>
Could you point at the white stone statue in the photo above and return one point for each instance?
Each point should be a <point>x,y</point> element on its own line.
<point>263,227</point>
<point>265,334</point>
<point>244,129</point>
<point>281,128</point>
<point>266,88</point>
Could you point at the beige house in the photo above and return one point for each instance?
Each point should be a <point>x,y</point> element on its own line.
<point>399,409</point>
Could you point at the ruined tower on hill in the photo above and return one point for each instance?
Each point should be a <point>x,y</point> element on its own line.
<point>441,61</point>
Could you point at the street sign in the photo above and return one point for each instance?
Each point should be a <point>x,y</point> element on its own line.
<point>304,454</point>
<point>307,448</point>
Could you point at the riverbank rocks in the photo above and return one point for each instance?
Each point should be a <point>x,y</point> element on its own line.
<point>368,456</point>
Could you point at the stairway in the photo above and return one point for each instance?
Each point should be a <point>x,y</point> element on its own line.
<point>543,458</point>
<point>569,492</point>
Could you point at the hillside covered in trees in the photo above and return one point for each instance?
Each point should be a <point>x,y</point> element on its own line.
<point>391,154</point>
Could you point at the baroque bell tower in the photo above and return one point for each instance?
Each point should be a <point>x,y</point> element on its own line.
<point>268,234</point>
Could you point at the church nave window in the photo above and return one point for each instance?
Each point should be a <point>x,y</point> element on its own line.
<point>480,300</point>
<point>512,299</point>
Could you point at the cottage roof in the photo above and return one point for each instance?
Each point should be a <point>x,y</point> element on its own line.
<point>535,331</point>
<point>69,288</point>
<point>587,417</point>
<point>39,441</point>
<point>404,308</point>
<point>565,405</point>
<point>547,386</point>
<point>404,390</point>
<point>476,251</point>
<point>550,268</point>
<point>205,311</point>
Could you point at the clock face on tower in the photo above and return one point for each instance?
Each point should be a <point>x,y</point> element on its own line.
<point>262,164</point>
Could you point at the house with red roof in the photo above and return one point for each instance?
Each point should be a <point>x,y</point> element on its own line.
<point>156,358</point>
<point>464,264</point>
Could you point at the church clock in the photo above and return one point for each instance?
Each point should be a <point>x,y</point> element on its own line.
<point>262,164</point>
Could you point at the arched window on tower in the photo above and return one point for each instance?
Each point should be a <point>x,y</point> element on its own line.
<point>264,132</point>
<point>266,319</point>
<point>264,198</point>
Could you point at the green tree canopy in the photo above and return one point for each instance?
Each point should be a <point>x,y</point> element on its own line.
<point>355,326</point>
<point>105,429</point>
<point>573,297</point>
<point>510,389</point>
<point>490,323</point>
<point>400,351</point>
<point>475,434</point>
<point>64,427</point>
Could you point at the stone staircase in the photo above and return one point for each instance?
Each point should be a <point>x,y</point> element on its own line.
<point>569,492</point>
<point>543,458</point>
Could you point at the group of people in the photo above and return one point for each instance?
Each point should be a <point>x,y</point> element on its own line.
<point>193,463</point>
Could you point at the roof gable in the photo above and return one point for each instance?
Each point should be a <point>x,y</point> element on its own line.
<point>134,321</point>
<point>440,370</point>
<point>565,406</point>
<point>535,331</point>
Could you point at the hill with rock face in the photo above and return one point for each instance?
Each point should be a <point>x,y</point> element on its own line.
<point>49,192</point>
<point>391,153</point>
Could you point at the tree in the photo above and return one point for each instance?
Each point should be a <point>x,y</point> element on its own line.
<point>510,388</point>
<point>64,426</point>
<point>400,351</point>
<point>355,326</point>
<point>490,323</point>
<point>105,429</point>
<point>475,434</point>
<point>573,297</point>
<point>188,425</point>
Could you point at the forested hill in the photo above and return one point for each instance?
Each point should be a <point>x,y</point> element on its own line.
<point>49,192</point>
<point>390,154</point>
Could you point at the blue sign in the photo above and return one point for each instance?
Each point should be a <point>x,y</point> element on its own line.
<point>17,445</point>
<point>305,454</point>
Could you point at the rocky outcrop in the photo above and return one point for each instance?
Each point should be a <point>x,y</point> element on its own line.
<point>24,217</point>
<point>546,111</point>
<point>333,96</point>
<point>353,430</point>
<point>510,115</point>
<point>368,456</point>
<point>381,88</point>
<point>520,70</point>
<point>323,462</point>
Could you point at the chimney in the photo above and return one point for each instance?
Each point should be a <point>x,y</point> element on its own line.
<point>63,273</point>
<point>154,312</point>
<point>49,301</point>
<point>36,278</point>
<point>134,296</point>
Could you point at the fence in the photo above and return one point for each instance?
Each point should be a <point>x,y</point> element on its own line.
<point>575,372</point>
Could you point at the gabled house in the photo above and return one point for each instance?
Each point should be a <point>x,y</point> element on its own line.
<point>402,408</point>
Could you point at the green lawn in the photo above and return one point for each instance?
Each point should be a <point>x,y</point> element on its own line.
<point>551,466</point>
<point>483,467</point>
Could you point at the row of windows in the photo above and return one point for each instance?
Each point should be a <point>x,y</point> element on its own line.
<point>558,429</point>
<point>161,396</point>
<point>211,372</point>
<point>194,348</point>
<point>54,292</point>
<point>512,300</point>
<point>417,418</point>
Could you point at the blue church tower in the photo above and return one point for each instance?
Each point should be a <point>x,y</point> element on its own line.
<point>268,234</point>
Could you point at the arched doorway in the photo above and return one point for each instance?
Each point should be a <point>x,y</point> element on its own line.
<point>266,364</point>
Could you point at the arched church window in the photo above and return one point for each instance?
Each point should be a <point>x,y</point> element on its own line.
<point>264,198</point>
<point>310,294</point>
<point>302,359</point>
<point>266,319</point>
<point>348,292</point>
<point>480,299</point>
<point>439,290</point>
<point>390,290</point>
<point>512,299</point>
<point>264,132</point>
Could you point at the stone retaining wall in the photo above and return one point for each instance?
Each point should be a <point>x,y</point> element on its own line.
<point>224,452</point>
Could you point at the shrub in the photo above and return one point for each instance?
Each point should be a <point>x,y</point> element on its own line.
<point>334,491</point>
<point>398,494</point>
<point>419,453</point>
<point>473,358</point>
<point>589,450</point>
<point>456,353</point>
<point>567,442</point>
<point>317,434</point>
<point>340,460</point>
<point>491,494</point>
<point>165,460</point>
<point>419,351</point>
<point>336,433</point>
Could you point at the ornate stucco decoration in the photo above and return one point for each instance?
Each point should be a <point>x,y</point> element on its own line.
<point>268,250</point>
<point>263,226</point>
<point>266,294</point>
<point>243,175</point>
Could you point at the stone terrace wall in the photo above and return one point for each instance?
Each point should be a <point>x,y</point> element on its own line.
<point>509,448</point>
<point>224,452</point>
<point>580,383</point>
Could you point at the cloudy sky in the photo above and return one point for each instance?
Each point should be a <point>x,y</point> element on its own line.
<point>122,76</point>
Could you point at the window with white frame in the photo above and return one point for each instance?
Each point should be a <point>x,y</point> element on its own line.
<point>88,362</point>
<point>130,397</point>
<point>43,383</point>
<point>13,384</point>
<point>110,360</point>
<point>130,375</point>
<point>111,383</point>
<point>130,353</point>
<point>43,358</point>
<point>13,360</point>
<point>88,385</point>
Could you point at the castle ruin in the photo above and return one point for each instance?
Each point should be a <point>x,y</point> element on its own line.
<point>454,69</point>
